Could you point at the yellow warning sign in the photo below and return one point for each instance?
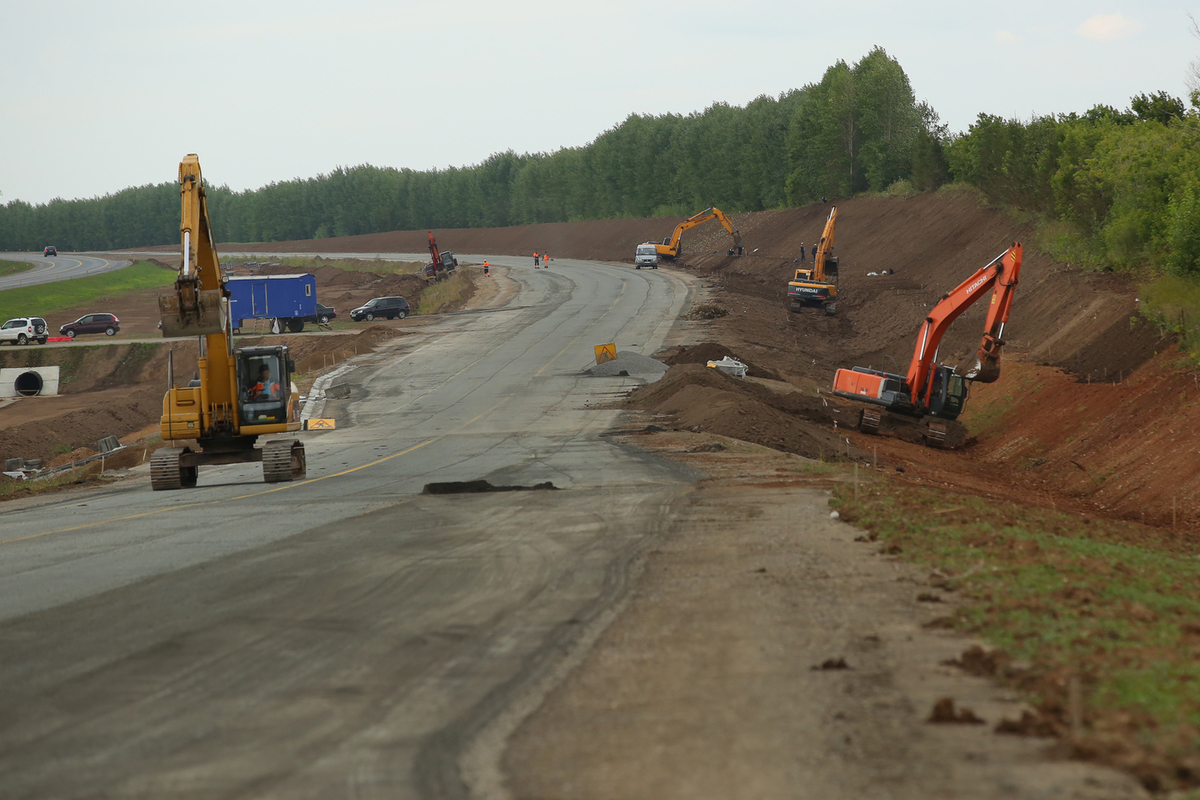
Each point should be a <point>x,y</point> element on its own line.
<point>319,425</point>
<point>605,352</point>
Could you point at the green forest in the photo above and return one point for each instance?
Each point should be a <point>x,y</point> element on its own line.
<point>1115,189</point>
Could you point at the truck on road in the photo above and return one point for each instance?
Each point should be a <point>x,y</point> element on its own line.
<point>289,299</point>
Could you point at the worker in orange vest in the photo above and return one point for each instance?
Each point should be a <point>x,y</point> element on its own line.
<point>265,389</point>
<point>486,271</point>
<point>535,259</point>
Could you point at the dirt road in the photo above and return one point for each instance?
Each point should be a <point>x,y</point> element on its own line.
<point>711,682</point>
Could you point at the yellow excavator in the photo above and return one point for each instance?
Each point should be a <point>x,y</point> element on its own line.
<point>671,246</point>
<point>817,287</point>
<point>238,395</point>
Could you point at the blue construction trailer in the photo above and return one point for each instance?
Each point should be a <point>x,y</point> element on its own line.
<point>287,300</point>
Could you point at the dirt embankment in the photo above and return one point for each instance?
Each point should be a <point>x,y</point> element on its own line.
<point>1094,408</point>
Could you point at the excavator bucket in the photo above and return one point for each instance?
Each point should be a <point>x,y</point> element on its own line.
<point>191,311</point>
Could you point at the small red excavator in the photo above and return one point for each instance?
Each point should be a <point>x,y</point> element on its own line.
<point>443,262</point>
<point>925,402</point>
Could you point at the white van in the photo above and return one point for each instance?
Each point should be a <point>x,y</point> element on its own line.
<point>647,256</point>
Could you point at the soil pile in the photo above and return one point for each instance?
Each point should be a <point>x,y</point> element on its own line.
<point>628,362</point>
<point>712,351</point>
<point>698,398</point>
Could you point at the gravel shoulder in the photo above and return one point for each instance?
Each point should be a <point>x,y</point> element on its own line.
<point>710,682</point>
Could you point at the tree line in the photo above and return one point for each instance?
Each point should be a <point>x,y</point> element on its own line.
<point>853,131</point>
<point>1123,187</point>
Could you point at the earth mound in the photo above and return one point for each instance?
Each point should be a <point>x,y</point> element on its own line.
<point>699,398</point>
<point>713,351</point>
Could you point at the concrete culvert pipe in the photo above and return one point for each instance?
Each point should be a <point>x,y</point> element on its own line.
<point>28,384</point>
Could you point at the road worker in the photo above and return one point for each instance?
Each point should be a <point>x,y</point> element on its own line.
<point>265,389</point>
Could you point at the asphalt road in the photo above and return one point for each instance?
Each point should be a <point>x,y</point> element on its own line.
<point>56,268</point>
<point>344,636</point>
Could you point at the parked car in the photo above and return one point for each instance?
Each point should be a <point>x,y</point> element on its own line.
<point>389,307</point>
<point>92,323</point>
<point>323,315</point>
<point>50,251</point>
<point>24,330</point>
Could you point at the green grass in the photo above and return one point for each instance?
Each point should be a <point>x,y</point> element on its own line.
<point>1172,303</point>
<point>48,298</point>
<point>443,295</point>
<point>1113,602</point>
<point>13,267</point>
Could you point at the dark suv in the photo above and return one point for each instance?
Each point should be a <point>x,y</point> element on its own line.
<point>92,323</point>
<point>389,307</point>
<point>50,251</point>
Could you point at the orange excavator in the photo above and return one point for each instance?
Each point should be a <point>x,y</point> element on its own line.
<point>671,246</point>
<point>817,287</point>
<point>925,402</point>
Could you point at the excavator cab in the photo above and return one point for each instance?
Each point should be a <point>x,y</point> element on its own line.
<point>264,376</point>
<point>947,393</point>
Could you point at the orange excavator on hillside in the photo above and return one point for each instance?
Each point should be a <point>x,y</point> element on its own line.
<point>925,402</point>
<point>817,287</point>
<point>672,247</point>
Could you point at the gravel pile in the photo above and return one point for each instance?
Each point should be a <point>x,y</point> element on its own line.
<point>632,364</point>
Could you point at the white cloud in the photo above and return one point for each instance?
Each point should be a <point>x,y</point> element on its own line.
<point>1109,27</point>
<point>1005,37</point>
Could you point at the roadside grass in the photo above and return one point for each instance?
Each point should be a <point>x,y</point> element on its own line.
<point>445,295</point>
<point>13,489</point>
<point>136,452</point>
<point>48,298</point>
<point>1172,302</point>
<point>377,265</point>
<point>13,267</point>
<point>821,468</point>
<point>1109,603</point>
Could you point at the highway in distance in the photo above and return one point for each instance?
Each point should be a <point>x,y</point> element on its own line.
<point>62,267</point>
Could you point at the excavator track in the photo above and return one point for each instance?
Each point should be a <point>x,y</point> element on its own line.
<point>935,434</point>
<point>871,417</point>
<point>167,470</point>
<point>283,460</point>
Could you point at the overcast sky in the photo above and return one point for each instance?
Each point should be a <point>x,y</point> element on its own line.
<point>96,97</point>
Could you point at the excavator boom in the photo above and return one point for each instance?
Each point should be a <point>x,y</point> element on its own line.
<point>671,246</point>
<point>824,247</point>
<point>1000,276</point>
<point>196,307</point>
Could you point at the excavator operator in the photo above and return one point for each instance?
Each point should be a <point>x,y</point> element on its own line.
<point>266,389</point>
